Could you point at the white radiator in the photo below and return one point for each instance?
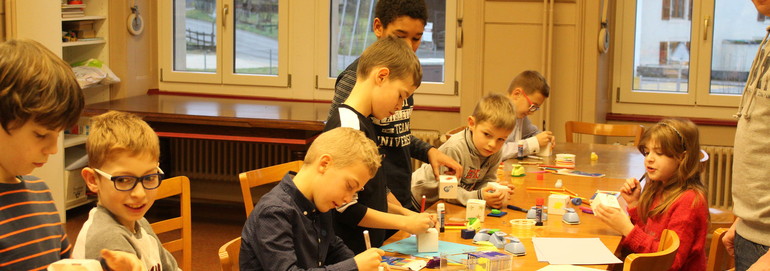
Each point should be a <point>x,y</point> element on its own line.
<point>717,176</point>
<point>430,136</point>
<point>220,160</point>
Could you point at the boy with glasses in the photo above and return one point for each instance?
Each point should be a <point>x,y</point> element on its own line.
<point>527,92</point>
<point>123,153</point>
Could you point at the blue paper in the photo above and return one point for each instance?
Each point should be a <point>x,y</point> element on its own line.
<point>408,246</point>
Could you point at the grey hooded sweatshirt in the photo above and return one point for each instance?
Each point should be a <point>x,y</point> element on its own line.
<point>751,174</point>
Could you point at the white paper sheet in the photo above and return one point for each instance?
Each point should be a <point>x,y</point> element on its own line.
<point>566,267</point>
<point>573,251</point>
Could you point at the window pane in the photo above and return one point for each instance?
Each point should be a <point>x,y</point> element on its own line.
<point>662,58</point>
<point>256,37</point>
<point>195,36</point>
<point>737,35</point>
<point>351,32</point>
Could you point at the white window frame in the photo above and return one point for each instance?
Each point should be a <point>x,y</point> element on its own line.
<point>448,87</point>
<point>225,50</point>
<point>698,101</point>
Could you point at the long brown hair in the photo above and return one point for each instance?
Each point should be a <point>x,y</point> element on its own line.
<point>679,139</point>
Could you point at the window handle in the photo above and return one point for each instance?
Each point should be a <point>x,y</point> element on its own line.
<point>706,27</point>
<point>225,11</point>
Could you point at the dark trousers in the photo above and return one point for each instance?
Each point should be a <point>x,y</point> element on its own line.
<point>746,252</point>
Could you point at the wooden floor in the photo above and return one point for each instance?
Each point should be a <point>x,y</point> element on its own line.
<point>213,224</point>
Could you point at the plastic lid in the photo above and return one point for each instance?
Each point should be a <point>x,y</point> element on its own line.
<point>539,201</point>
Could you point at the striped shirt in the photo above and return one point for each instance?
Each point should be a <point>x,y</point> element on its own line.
<point>31,234</point>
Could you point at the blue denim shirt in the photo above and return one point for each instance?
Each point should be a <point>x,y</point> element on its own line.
<point>286,232</point>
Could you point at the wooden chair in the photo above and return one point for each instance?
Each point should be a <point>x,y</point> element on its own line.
<point>449,133</point>
<point>257,177</point>
<point>635,131</point>
<point>171,187</point>
<point>718,258</point>
<point>228,255</point>
<point>661,260</point>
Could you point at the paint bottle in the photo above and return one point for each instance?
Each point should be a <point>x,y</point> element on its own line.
<point>521,151</point>
<point>441,216</point>
<point>539,211</point>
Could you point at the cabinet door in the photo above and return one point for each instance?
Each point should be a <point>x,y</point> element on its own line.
<point>39,20</point>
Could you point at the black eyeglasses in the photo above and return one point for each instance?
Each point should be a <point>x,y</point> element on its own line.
<point>127,183</point>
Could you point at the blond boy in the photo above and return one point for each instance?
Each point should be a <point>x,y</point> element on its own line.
<point>39,97</point>
<point>527,92</point>
<point>277,233</point>
<point>388,73</point>
<point>123,170</point>
<point>477,148</point>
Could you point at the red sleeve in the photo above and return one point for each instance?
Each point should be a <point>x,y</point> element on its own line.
<point>633,214</point>
<point>689,220</point>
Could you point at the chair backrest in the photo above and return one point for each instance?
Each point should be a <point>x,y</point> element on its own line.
<point>718,258</point>
<point>171,187</point>
<point>578,127</point>
<point>449,133</point>
<point>257,177</point>
<point>228,255</point>
<point>660,260</point>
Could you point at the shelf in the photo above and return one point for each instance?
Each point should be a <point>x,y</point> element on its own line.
<point>79,202</point>
<point>82,43</point>
<point>74,140</point>
<point>83,18</point>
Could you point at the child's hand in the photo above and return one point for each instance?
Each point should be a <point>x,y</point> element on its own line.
<point>615,218</point>
<point>545,137</point>
<point>631,191</point>
<point>729,237</point>
<point>122,261</point>
<point>509,185</point>
<point>419,223</point>
<point>493,197</point>
<point>369,259</point>
<point>438,159</point>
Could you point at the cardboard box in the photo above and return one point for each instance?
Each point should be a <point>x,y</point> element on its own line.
<point>428,241</point>
<point>447,187</point>
<point>556,204</point>
<point>76,186</point>
<point>85,34</point>
<point>78,25</point>
<point>476,208</point>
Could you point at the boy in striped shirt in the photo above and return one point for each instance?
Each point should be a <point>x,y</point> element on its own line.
<point>39,97</point>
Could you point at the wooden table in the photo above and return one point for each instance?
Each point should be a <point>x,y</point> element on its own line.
<point>279,122</point>
<point>617,162</point>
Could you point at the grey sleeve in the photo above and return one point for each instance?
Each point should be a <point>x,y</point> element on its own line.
<point>528,129</point>
<point>456,152</point>
<point>424,183</point>
<point>166,258</point>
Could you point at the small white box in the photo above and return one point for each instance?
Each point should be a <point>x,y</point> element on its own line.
<point>605,199</point>
<point>75,265</point>
<point>428,241</point>
<point>499,187</point>
<point>447,187</point>
<point>556,204</point>
<point>475,208</point>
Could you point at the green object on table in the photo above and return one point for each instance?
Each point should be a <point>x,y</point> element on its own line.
<point>495,211</point>
<point>518,170</point>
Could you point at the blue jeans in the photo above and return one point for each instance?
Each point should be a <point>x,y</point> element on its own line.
<point>746,252</point>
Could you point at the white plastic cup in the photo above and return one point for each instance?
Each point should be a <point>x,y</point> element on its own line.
<point>546,151</point>
<point>566,160</point>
